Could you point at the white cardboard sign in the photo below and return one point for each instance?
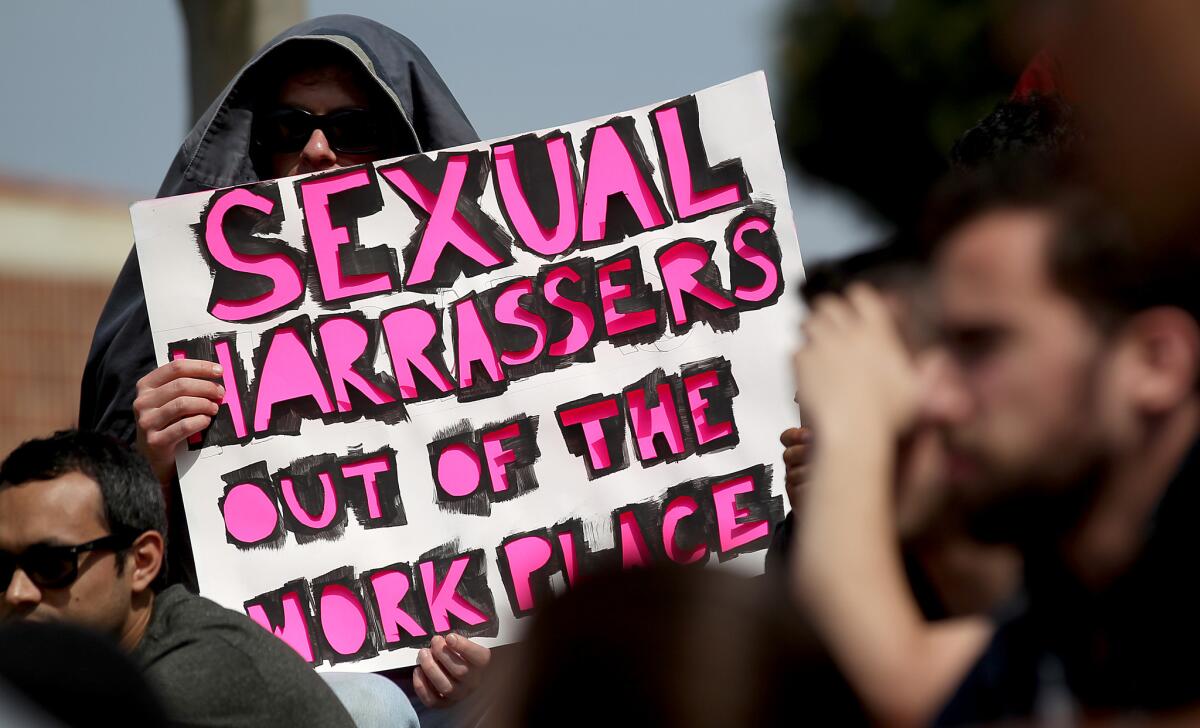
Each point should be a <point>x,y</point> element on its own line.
<point>459,381</point>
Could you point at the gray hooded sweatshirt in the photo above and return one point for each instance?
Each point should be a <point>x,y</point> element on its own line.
<point>216,154</point>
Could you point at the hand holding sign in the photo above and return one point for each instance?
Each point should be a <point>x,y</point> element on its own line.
<point>174,402</point>
<point>449,670</point>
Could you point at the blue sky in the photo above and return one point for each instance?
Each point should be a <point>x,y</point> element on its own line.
<point>94,92</point>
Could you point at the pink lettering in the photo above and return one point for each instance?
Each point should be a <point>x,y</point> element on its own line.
<point>616,322</point>
<point>677,510</point>
<point>343,619</point>
<point>329,502</point>
<point>293,631</point>
<point>689,203</point>
<point>756,257</point>
<point>458,470</point>
<point>509,311</point>
<point>695,385</point>
<point>498,456</point>
<point>583,322</point>
<point>661,419</point>
<point>327,239</point>
<point>410,332</point>
<point>287,282</point>
<point>589,417</point>
<point>612,170</point>
<point>730,528</point>
<point>367,470</point>
<point>679,264</point>
<point>525,556</point>
<point>390,588</point>
<point>473,344</point>
<point>634,551</point>
<point>288,373</point>
<point>446,225</point>
<point>544,241</point>
<point>443,599</point>
<point>343,341</point>
<point>249,513</point>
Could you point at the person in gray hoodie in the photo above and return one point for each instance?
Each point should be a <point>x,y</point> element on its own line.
<point>329,92</point>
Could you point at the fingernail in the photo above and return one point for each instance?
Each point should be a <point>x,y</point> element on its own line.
<point>220,391</point>
<point>216,368</point>
<point>452,638</point>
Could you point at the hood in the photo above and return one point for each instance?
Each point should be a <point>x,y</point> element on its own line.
<point>216,153</point>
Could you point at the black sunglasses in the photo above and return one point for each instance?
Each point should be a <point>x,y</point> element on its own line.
<point>53,567</point>
<point>349,131</point>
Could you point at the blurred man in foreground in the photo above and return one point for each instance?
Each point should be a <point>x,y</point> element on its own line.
<point>1077,354</point>
<point>1079,351</point>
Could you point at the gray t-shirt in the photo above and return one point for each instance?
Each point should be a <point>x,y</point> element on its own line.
<point>212,666</point>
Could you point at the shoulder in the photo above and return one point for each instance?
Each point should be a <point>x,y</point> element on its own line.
<point>1003,682</point>
<point>208,660</point>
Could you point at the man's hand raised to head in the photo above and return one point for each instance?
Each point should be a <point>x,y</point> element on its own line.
<point>174,402</point>
<point>449,670</point>
<point>854,371</point>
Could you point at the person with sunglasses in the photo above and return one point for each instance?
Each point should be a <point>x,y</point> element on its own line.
<point>329,92</point>
<point>81,542</point>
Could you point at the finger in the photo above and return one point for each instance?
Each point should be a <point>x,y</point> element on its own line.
<point>795,478</point>
<point>791,436</point>
<point>452,664</point>
<point>424,692</point>
<point>187,387</point>
<point>834,310</point>
<point>178,432</point>
<point>868,304</point>
<point>438,679</point>
<point>795,456</point>
<point>177,409</point>
<point>179,368</point>
<point>472,652</point>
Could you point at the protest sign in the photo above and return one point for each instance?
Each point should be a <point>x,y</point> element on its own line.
<point>458,381</point>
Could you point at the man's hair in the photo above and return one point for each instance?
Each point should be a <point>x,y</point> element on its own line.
<point>1092,255</point>
<point>892,265</point>
<point>1035,125</point>
<point>132,496</point>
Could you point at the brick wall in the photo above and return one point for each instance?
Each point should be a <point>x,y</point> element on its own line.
<point>45,330</point>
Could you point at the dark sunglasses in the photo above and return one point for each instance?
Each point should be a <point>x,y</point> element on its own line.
<point>53,567</point>
<point>349,131</point>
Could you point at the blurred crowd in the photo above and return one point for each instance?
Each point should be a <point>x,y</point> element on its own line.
<point>990,476</point>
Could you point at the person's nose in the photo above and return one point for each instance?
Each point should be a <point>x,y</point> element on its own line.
<point>22,593</point>
<point>945,397</point>
<point>317,154</point>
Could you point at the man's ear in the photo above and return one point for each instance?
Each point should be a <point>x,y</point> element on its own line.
<point>1166,354</point>
<point>144,559</point>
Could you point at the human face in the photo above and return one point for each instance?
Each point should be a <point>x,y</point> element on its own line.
<point>64,511</point>
<point>1028,359</point>
<point>320,91</point>
<point>921,488</point>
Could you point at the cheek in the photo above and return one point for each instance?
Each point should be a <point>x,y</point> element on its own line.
<point>99,600</point>
<point>350,160</point>
<point>285,165</point>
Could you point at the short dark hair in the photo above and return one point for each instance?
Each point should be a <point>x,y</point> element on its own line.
<point>1092,256</point>
<point>133,498</point>
<point>891,265</point>
<point>1034,125</point>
